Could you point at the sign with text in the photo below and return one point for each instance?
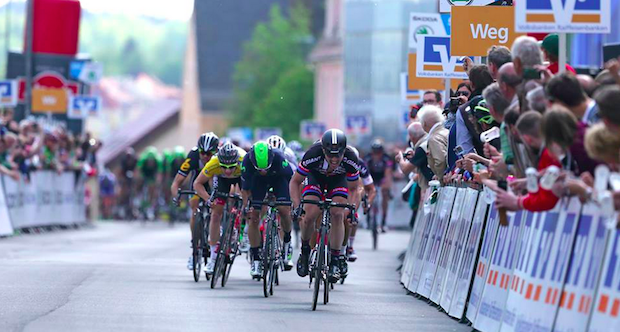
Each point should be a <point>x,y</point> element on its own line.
<point>49,100</point>
<point>81,107</point>
<point>358,125</point>
<point>435,59</point>
<point>445,6</point>
<point>568,16</point>
<point>8,93</point>
<point>476,29</point>
<point>425,24</point>
<point>311,130</point>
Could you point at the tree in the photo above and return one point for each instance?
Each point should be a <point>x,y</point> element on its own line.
<point>289,102</point>
<point>275,54</point>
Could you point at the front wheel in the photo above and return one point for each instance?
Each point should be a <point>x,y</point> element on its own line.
<point>197,248</point>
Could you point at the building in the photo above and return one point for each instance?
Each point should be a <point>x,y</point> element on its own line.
<point>375,53</point>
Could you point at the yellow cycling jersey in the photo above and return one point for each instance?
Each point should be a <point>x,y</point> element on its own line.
<point>212,168</point>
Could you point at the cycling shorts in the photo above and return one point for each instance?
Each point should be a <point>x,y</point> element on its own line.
<point>261,184</point>
<point>336,186</point>
<point>223,187</point>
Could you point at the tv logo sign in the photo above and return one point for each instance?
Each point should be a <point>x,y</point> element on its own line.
<point>435,60</point>
<point>312,130</point>
<point>82,106</point>
<point>8,93</point>
<point>358,125</point>
<point>563,16</point>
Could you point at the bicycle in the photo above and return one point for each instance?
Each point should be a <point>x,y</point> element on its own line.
<point>229,241</point>
<point>320,258</point>
<point>273,255</point>
<point>200,246</point>
<point>371,218</point>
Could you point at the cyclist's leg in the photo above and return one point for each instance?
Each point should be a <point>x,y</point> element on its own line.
<point>281,191</point>
<point>193,204</point>
<point>339,193</point>
<point>312,191</point>
<point>217,211</point>
<point>385,199</point>
<point>259,189</point>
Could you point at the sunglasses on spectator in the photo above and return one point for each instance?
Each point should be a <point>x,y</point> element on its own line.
<point>486,119</point>
<point>429,101</point>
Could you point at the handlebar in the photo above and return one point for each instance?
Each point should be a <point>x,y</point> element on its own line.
<point>329,204</point>
<point>274,203</point>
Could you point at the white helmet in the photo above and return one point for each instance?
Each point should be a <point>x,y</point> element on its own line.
<point>276,142</point>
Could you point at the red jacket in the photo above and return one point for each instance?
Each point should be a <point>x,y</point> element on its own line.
<point>542,200</point>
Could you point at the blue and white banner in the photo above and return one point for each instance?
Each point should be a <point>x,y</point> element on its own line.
<point>500,275</point>
<point>5,222</point>
<point>586,259</point>
<point>435,60</point>
<point>606,311</point>
<point>8,93</point>
<point>467,266</point>
<point>312,130</point>
<point>447,244</point>
<point>536,287</point>
<point>484,262</point>
<point>456,253</point>
<point>435,241</point>
<point>408,263</point>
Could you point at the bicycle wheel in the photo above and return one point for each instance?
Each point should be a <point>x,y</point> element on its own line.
<point>220,261</point>
<point>197,248</point>
<point>267,259</point>
<point>231,255</point>
<point>318,270</point>
<point>375,232</point>
<point>272,263</point>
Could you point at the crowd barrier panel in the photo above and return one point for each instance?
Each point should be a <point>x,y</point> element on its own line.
<point>47,199</point>
<point>468,263</point>
<point>446,245</point>
<point>5,223</point>
<point>408,262</point>
<point>458,243</point>
<point>433,246</point>
<point>552,271</point>
<point>426,226</point>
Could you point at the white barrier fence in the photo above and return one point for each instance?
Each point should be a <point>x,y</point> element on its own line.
<point>552,271</point>
<point>47,199</point>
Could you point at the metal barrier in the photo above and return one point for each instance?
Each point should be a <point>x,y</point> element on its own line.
<point>48,199</point>
<point>552,271</point>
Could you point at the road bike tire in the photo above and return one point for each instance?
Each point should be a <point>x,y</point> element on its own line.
<point>318,270</point>
<point>267,259</point>
<point>327,285</point>
<point>272,263</point>
<point>375,231</point>
<point>231,259</point>
<point>220,261</point>
<point>197,249</point>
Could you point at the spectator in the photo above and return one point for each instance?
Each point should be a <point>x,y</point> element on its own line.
<point>526,56</point>
<point>49,154</point>
<point>432,122</point>
<point>415,159</point>
<point>550,47</point>
<point>432,97</point>
<point>9,122</point>
<point>7,141</point>
<point>603,145</point>
<point>587,84</point>
<point>459,98</point>
<point>566,90</point>
<point>497,56</point>
<point>536,99</point>
<point>508,81</point>
<point>608,100</point>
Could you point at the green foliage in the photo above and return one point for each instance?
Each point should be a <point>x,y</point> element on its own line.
<point>125,44</point>
<point>271,81</point>
<point>289,102</point>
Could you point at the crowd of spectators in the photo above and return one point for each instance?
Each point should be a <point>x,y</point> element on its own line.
<point>38,144</point>
<point>521,127</point>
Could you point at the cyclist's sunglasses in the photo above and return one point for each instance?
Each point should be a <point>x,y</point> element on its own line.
<point>231,166</point>
<point>486,119</point>
<point>208,153</point>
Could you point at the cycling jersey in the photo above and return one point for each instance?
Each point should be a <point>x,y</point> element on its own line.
<point>291,158</point>
<point>128,164</point>
<point>315,166</point>
<point>192,163</point>
<point>365,174</point>
<point>277,178</point>
<point>377,168</point>
<point>149,166</point>
<point>212,168</point>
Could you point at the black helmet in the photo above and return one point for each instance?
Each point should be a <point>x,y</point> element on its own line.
<point>261,155</point>
<point>228,154</point>
<point>376,145</point>
<point>208,142</point>
<point>334,142</point>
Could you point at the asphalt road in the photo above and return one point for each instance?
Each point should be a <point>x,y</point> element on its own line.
<point>133,277</point>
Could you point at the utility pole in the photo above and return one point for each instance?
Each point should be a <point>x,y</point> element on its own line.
<point>28,55</point>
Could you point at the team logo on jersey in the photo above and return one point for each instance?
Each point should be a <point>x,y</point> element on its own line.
<point>186,165</point>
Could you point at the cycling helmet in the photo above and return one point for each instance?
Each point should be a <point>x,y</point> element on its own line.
<point>228,154</point>
<point>208,142</point>
<point>377,145</point>
<point>276,142</point>
<point>261,155</point>
<point>334,142</point>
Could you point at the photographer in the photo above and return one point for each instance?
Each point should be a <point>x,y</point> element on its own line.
<point>457,99</point>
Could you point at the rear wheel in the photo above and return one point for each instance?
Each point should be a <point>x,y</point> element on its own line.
<point>373,227</point>
<point>220,261</point>
<point>318,270</point>
<point>231,255</point>
<point>197,248</point>
<point>267,259</point>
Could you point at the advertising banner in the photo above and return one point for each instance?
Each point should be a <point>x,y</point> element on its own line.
<point>5,222</point>
<point>425,228</point>
<point>434,58</point>
<point>468,262</point>
<point>606,311</point>
<point>568,16</point>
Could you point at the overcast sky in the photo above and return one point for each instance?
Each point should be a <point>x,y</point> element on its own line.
<point>169,9</point>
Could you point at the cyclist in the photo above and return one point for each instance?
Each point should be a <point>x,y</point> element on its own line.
<point>367,187</point>
<point>381,169</point>
<point>297,148</point>
<point>279,143</point>
<point>328,165</point>
<point>151,166</point>
<point>225,171</point>
<point>196,159</point>
<point>266,168</point>
<point>128,166</point>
